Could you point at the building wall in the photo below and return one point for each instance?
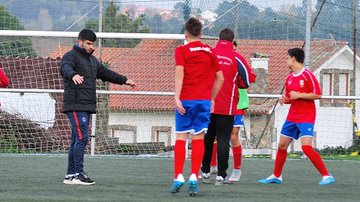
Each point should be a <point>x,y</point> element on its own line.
<point>144,123</point>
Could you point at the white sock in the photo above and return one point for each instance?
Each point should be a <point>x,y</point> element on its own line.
<point>180,178</point>
<point>193,177</point>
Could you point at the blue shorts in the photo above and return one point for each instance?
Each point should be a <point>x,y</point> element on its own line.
<point>196,119</point>
<point>296,130</point>
<point>239,121</point>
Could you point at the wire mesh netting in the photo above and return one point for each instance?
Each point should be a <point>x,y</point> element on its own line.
<point>144,124</point>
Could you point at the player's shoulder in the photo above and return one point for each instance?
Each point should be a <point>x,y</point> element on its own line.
<point>308,73</point>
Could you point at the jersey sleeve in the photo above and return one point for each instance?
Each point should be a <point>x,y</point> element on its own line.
<point>246,74</point>
<point>314,84</point>
<point>179,57</point>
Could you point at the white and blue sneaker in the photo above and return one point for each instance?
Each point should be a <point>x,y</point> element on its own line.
<point>327,180</point>
<point>193,185</point>
<point>177,184</point>
<point>235,175</point>
<point>271,180</point>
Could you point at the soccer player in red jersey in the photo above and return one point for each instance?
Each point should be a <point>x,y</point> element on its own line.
<point>198,80</point>
<point>301,89</point>
<point>236,75</point>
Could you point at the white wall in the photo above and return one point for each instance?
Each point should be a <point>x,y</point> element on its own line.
<point>38,107</point>
<point>144,122</point>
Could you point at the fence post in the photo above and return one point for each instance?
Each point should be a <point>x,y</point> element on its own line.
<point>273,143</point>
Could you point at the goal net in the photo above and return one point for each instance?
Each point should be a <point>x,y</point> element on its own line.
<point>141,47</point>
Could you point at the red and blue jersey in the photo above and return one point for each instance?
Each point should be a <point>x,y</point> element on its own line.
<point>237,74</point>
<point>200,66</point>
<point>301,110</point>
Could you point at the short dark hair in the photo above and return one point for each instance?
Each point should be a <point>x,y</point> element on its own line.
<point>226,34</point>
<point>298,53</point>
<point>193,26</point>
<point>87,34</point>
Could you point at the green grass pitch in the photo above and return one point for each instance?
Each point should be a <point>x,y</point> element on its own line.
<point>39,178</point>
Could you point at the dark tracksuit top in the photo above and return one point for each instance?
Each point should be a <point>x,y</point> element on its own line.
<point>80,100</point>
<point>82,97</point>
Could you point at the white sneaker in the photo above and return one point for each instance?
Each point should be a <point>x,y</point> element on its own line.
<point>213,170</point>
<point>68,179</point>
<point>235,175</point>
<point>205,177</point>
<point>221,181</point>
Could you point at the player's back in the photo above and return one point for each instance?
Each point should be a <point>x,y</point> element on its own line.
<point>200,66</point>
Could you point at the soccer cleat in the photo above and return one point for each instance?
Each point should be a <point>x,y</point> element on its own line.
<point>205,177</point>
<point>68,179</point>
<point>271,180</point>
<point>328,180</point>
<point>222,181</point>
<point>235,175</point>
<point>177,184</point>
<point>213,170</point>
<point>193,185</point>
<point>82,179</point>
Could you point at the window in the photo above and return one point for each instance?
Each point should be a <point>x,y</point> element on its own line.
<point>161,134</point>
<point>344,87</point>
<point>328,84</point>
<point>124,133</point>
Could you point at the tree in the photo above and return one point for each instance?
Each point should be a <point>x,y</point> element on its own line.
<point>114,22</point>
<point>13,46</point>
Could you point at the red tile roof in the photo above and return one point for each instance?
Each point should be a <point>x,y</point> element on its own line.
<point>151,65</point>
<point>108,54</point>
<point>321,51</point>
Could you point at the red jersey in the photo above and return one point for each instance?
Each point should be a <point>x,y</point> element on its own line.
<point>4,81</point>
<point>200,66</point>
<point>237,74</point>
<point>302,111</point>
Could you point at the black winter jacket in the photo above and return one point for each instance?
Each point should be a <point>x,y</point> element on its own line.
<point>82,97</point>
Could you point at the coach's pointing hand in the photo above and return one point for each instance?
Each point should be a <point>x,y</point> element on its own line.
<point>77,79</point>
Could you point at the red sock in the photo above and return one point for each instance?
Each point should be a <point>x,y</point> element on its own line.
<point>197,155</point>
<point>315,158</point>
<point>279,161</point>
<point>214,154</point>
<point>237,154</point>
<point>179,159</point>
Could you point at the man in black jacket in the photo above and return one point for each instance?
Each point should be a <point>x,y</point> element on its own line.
<point>80,69</point>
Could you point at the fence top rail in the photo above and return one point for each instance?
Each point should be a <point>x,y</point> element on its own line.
<point>12,90</point>
<point>98,34</point>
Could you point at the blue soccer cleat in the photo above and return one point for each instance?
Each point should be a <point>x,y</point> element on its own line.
<point>193,187</point>
<point>177,184</point>
<point>271,180</point>
<point>327,180</point>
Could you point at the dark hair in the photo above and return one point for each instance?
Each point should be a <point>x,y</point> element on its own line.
<point>87,34</point>
<point>298,53</point>
<point>226,34</point>
<point>193,26</point>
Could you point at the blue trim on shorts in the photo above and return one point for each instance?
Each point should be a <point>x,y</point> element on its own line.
<point>196,118</point>
<point>296,130</point>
